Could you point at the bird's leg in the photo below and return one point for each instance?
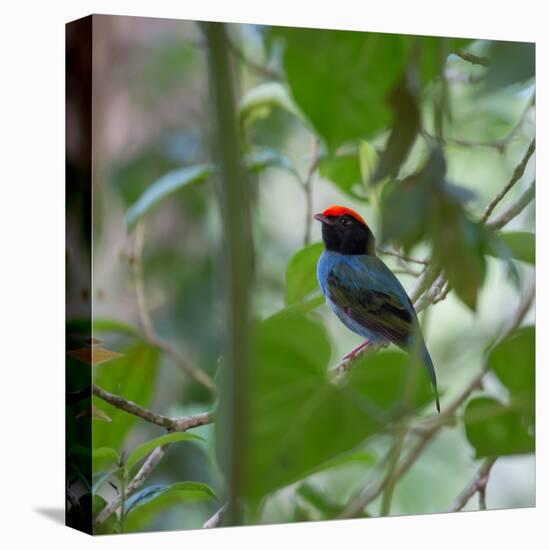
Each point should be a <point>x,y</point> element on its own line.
<point>354,352</point>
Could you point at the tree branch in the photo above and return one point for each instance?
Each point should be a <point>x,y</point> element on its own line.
<point>476,485</point>
<point>146,469</point>
<point>179,424</point>
<point>517,174</point>
<point>515,209</point>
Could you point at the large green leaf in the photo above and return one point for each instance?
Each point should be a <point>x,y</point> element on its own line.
<point>132,376</point>
<point>521,244</point>
<point>143,450</point>
<point>335,79</point>
<point>495,429</point>
<point>300,420</point>
<point>514,362</point>
<point>164,187</point>
<point>341,80</point>
<point>301,278</point>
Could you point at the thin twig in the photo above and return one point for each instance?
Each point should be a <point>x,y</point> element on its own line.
<point>474,59</point>
<point>500,144</point>
<point>517,174</point>
<point>515,209</point>
<point>152,338</point>
<point>476,485</point>
<point>396,254</point>
<point>216,519</point>
<point>146,469</point>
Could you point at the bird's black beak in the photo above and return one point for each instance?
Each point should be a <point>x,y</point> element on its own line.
<point>323,219</point>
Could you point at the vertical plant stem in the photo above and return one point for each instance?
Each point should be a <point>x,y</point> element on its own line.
<point>237,268</point>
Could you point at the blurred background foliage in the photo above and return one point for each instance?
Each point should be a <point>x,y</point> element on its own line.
<point>415,137</point>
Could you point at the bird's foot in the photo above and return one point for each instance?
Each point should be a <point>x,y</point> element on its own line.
<point>353,353</point>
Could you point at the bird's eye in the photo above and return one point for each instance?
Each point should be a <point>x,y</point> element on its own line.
<point>344,221</point>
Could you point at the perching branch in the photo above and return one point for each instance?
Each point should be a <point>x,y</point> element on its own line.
<point>172,423</point>
<point>150,334</point>
<point>476,485</point>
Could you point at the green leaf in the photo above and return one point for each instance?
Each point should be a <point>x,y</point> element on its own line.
<point>510,63</point>
<point>341,80</point>
<point>164,187</point>
<point>107,453</point>
<point>142,451</point>
<point>405,104</point>
<point>522,245</point>
<point>514,362</point>
<point>344,171</point>
<point>258,102</point>
<point>145,505</point>
<point>458,245</point>
<point>300,419</point>
<point>343,100</point>
<point>408,206</point>
<point>133,376</point>
<point>301,279</point>
<point>495,429</point>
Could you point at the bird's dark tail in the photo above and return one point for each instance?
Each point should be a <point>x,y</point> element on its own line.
<point>431,370</point>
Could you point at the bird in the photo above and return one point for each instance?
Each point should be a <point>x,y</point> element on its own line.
<point>362,291</point>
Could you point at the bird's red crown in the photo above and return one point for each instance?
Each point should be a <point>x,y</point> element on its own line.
<point>336,210</point>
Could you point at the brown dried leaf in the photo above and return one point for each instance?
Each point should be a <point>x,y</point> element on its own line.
<point>94,356</point>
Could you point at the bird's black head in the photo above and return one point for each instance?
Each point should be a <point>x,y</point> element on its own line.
<point>344,231</point>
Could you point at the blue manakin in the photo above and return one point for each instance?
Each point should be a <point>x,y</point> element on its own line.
<point>362,291</point>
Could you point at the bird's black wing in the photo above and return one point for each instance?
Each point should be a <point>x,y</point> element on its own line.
<point>384,311</point>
